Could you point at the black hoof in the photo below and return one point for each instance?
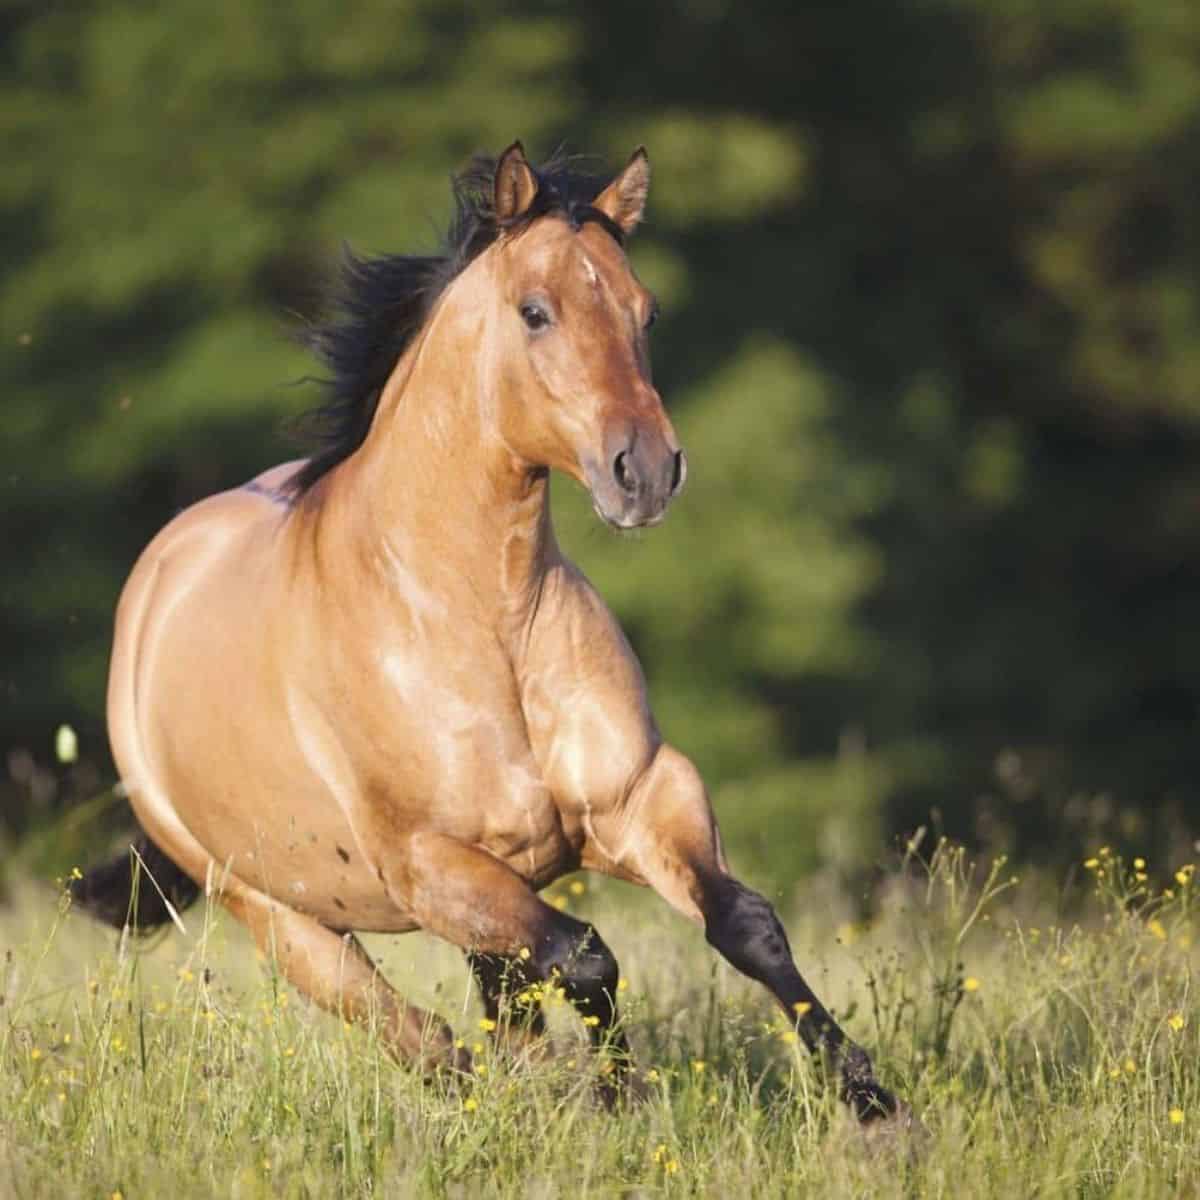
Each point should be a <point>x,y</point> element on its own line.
<point>869,1100</point>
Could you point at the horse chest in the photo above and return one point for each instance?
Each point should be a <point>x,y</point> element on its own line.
<point>458,758</point>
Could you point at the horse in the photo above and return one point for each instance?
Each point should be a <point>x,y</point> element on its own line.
<point>366,691</point>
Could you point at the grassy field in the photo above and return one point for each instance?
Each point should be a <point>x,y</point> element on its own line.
<point>1047,1056</point>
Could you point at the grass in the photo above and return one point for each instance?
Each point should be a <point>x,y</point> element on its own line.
<point>1046,1057</point>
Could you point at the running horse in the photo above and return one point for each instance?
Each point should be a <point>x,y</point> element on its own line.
<point>367,690</point>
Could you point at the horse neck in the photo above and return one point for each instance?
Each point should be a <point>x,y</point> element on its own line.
<point>434,495</point>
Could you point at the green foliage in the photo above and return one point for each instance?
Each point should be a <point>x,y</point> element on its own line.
<point>931,336</point>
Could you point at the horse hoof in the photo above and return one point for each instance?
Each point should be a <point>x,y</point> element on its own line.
<point>617,1089</point>
<point>899,1132</point>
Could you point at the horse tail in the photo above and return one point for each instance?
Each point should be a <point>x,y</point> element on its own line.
<point>142,888</point>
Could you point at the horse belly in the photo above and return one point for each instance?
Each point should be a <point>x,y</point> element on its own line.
<point>201,740</point>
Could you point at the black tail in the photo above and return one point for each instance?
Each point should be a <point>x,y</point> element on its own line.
<point>119,893</point>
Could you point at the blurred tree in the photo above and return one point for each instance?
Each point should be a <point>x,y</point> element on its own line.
<point>929,275</point>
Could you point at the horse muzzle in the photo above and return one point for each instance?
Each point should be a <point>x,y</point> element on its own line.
<point>639,478</point>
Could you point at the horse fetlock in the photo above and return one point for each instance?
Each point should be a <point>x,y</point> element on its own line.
<point>578,957</point>
<point>866,1096</point>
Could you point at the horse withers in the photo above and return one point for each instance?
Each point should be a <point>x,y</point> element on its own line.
<point>367,691</point>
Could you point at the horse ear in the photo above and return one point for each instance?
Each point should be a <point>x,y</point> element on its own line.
<point>516,185</point>
<point>624,200</point>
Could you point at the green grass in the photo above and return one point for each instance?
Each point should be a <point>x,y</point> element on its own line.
<point>1045,1056</point>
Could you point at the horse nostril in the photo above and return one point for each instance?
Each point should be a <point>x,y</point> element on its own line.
<point>622,473</point>
<point>680,475</point>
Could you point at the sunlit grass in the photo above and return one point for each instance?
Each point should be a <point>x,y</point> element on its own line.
<point>1046,1056</point>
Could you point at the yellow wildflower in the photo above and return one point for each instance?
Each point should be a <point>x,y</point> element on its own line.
<point>1175,1116</point>
<point>577,888</point>
<point>801,1007</point>
<point>1155,926</point>
<point>480,1069</point>
<point>524,953</point>
<point>698,1065</point>
<point>1130,1066</point>
<point>652,1075</point>
<point>1139,864</point>
<point>35,1054</point>
<point>487,1024</point>
<point>592,1020</point>
<point>970,984</point>
<point>1175,1021</point>
<point>1090,864</point>
<point>470,1104</point>
<point>787,1037</point>
<point>622,984</point>
<point>1184,874</point>
<point>672,1166</point>
<point>1114,1073</point>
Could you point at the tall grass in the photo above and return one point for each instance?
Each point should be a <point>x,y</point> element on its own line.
<point>1045,1056</point>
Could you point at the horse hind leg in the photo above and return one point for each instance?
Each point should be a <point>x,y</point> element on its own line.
<point>335,971</point>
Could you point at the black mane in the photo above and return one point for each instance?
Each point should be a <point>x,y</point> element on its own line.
<point>380,304</point>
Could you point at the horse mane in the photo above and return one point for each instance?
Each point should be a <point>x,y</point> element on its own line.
<point>380,304</point>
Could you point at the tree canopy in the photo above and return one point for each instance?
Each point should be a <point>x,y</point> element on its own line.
<point>931,336</point>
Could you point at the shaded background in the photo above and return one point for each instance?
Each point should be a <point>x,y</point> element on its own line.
<point>931,335</point>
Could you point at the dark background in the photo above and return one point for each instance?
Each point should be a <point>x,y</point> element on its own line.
<point>931,335</point>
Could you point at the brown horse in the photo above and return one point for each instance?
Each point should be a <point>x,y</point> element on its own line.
<point>367,690</point>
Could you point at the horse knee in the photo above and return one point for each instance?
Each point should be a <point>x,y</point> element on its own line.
<point>577,955</point>
<point>742,926</point>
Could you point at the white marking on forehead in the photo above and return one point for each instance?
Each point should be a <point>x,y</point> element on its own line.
<point>590,271</point>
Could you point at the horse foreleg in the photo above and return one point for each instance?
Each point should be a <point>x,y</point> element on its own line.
<point>667,838</point>
<point>476,902</point>
<point>334,970</point>
<point>509,1001</point>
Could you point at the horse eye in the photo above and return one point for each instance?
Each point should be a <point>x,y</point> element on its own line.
<point>534,316</point>
<point>652,316</point>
